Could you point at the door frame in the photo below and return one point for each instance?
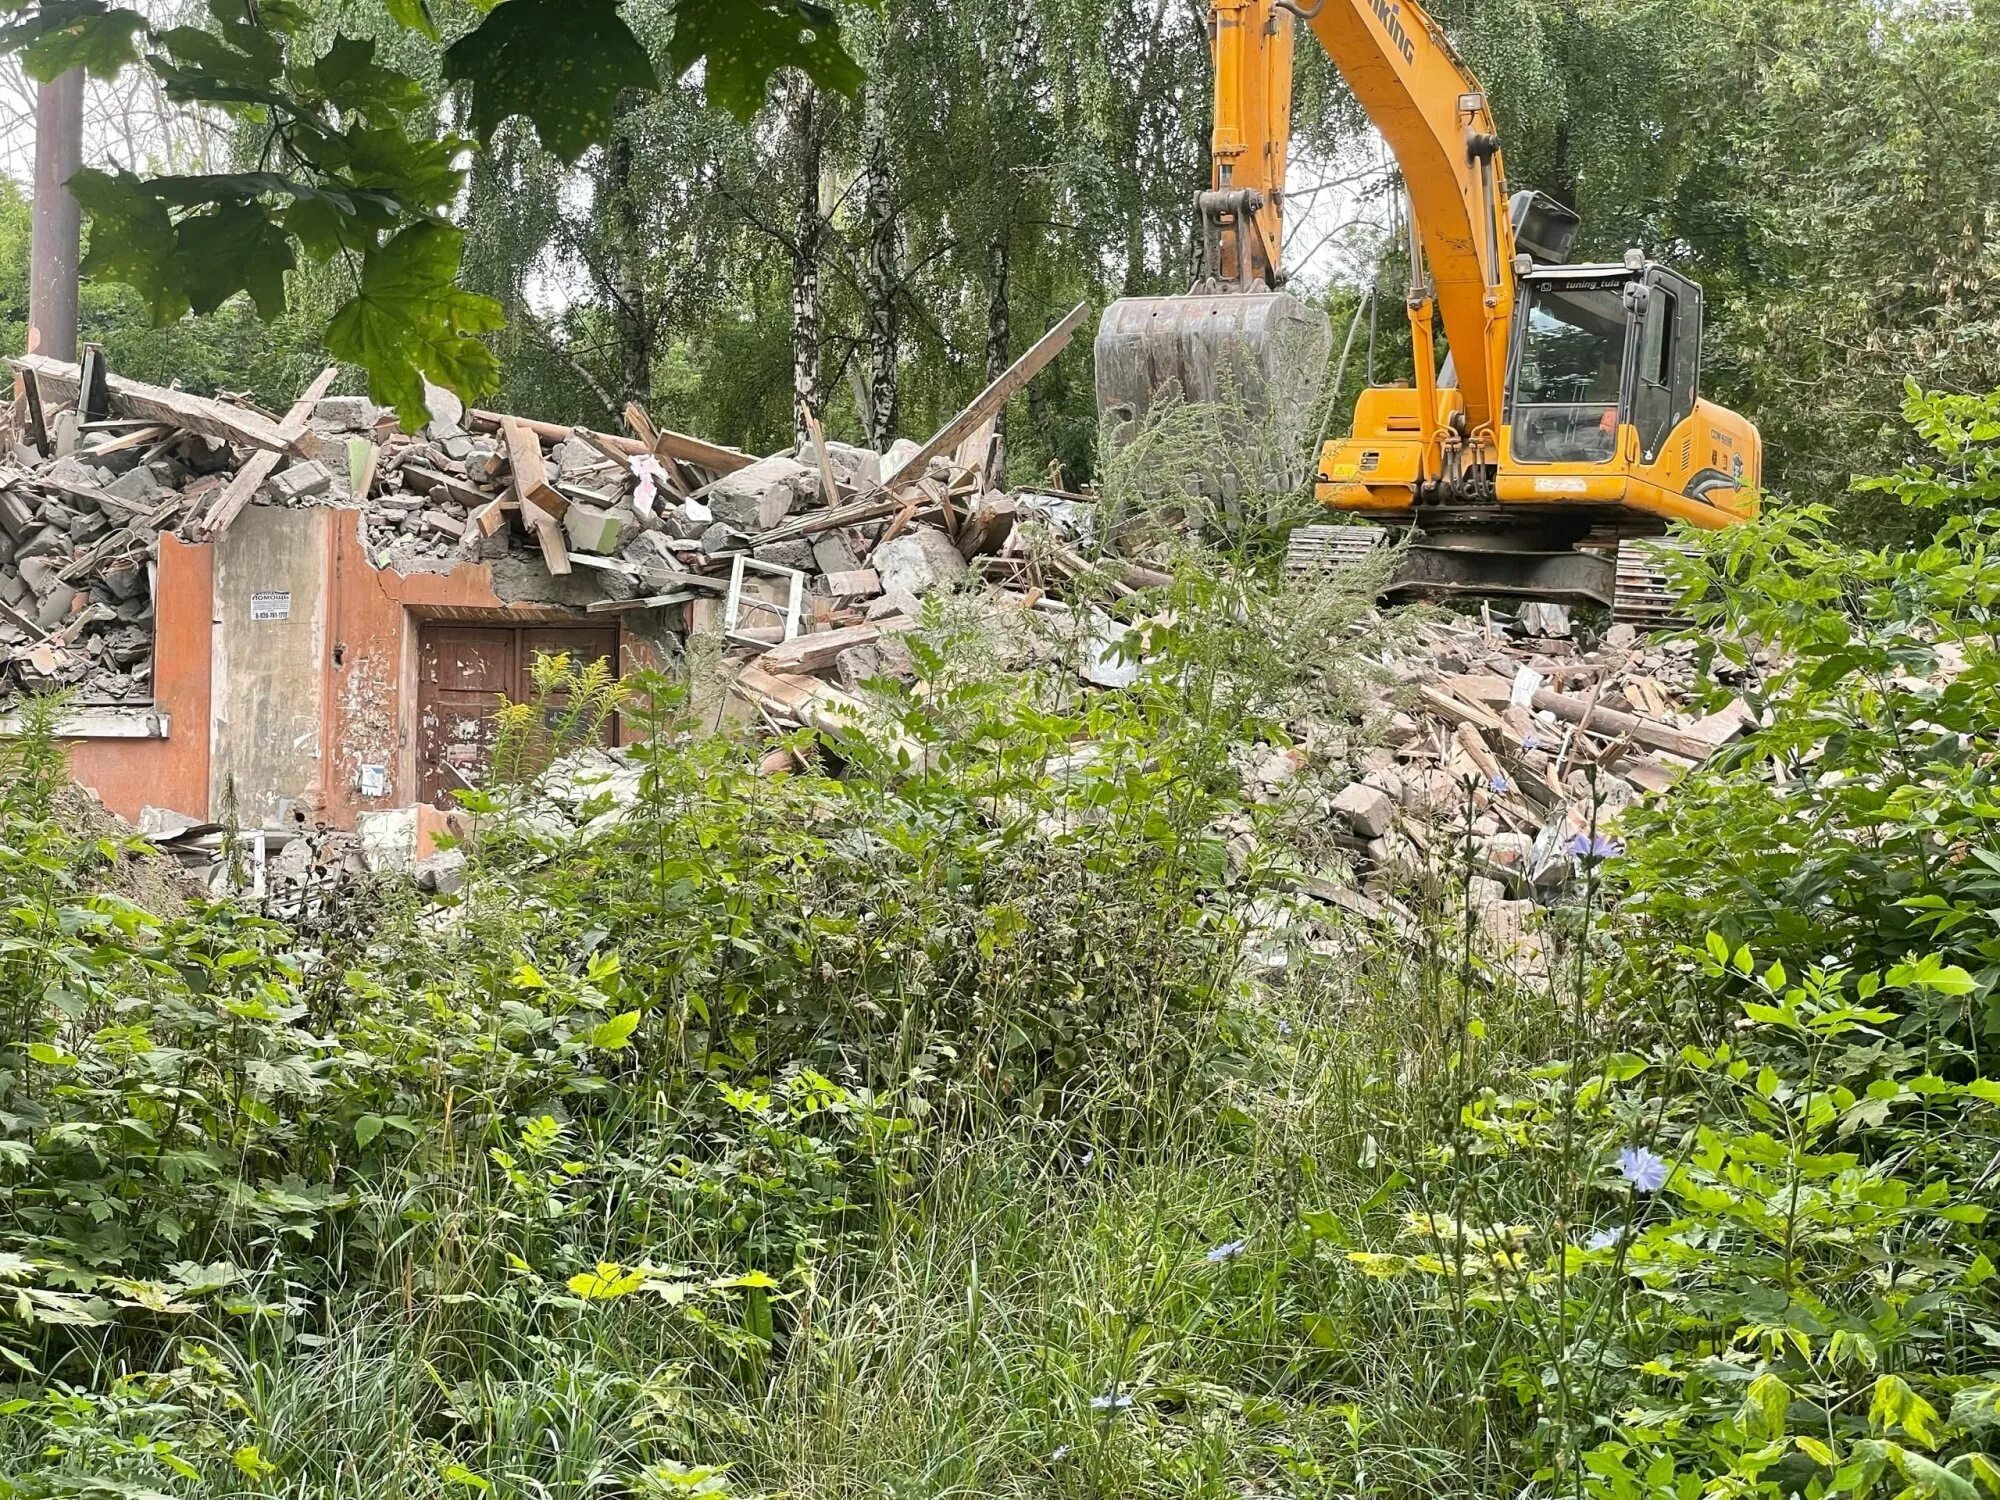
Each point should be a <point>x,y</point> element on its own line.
<point>409,773</point>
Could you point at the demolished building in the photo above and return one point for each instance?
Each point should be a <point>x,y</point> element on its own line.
<point>297,621</point>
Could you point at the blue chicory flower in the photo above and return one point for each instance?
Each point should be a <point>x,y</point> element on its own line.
<point>1061,1453</point>
<point>1643,1169</point>
<point>1111,1401</point>
<point>1604,1239</point>
<point>1226,1252</point>
<point>1593,848</point>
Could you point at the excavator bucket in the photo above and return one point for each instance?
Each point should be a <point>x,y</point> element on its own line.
<point>1262,352</point>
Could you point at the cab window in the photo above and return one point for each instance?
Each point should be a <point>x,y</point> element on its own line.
<point>1570,375</point>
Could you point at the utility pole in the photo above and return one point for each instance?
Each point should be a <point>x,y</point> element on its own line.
<point>57,219</point>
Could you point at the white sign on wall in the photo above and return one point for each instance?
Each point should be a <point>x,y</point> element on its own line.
<point>268,605</point>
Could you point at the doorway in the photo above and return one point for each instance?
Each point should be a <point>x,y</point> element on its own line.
<point>464,672</point>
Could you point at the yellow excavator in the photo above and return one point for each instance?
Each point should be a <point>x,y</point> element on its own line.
<point>1567,419</point>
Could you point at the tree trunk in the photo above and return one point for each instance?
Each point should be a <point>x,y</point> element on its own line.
<point>1016,70</point>
<point>880,278</point>
<point>808,234</point>
<point>629,319</point>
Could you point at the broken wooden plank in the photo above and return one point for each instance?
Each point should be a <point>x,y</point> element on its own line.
<point>139,437</point>
<point>547,532</point>
<point>540,505</point>
<point>995,396</point>
<point>1600,720</point>
<point>490,517</point>
<point>641,423</point>
<point>694,450</point>
<point>262,465</point>
<point>1457,709</point>
<point>430,482</point>
<point>38,428</point>
<point>156,403</point>
<point>815,653</point>
<point>531,470</point>
<point>829,487</point>
<point>650,601</point>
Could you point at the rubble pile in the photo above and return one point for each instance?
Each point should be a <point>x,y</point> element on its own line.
<point>1505,737</point>
<point>95,468</point>
<point>1519,751</point>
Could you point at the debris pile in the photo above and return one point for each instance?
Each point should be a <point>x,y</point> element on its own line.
<point>769,551</point>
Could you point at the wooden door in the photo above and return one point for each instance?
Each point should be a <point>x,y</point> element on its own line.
<point>464,672</point>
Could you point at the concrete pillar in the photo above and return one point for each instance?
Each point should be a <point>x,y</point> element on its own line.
<point>57,220</point>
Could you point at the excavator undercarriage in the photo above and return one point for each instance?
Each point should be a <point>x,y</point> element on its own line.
<point>1627,575</point>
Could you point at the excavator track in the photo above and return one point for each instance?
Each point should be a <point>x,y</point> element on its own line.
<point>1644,597</point>
<point>1312,550</point>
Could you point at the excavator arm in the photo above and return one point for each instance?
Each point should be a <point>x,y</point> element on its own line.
<point>1243,213</point>
<point>1434,116</point>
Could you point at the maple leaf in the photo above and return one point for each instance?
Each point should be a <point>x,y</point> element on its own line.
<point>562,63</point>
<point>743,42</point>
<point>410,320</point>
<point>65,34</point>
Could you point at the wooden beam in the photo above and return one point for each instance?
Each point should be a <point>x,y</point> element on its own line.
<point>989,401</point>
<point>815,653</point>
<point>1647,732</point>
<point>263,464</point>
<point>490,517</point>
<point>679,445</point>
<point>641,425</point>
<point>155,403</point>
<point>539,502</point>
<point>829,487</point>
<point>531,471</point>
<point>430,482</point>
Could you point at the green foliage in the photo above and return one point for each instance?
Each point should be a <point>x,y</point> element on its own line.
<point>67,34</point>
<point>561,63</point>
<point>410,318</point>
<point>1858,824</point>
<point>357,167</point>
<point>742,44</point>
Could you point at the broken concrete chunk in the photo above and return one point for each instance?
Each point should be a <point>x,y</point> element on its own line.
<point>447,413</point>
<point>920,560</point>
<point>56,607</point>
<point>138,486</point>
<point>17,514</point>
<point>898,602</point>
<point>785,555</point>
<point>591,529</point>
<point>758,497</point>
<point>856,467</point>
<point>1367,809</point>
<point>300,482</point>
<point>860,583</point>
<point>345,413</point>
<point>833,553</point>
<point>47,542</point>
<point>688,522</point>
<point>718,538</point>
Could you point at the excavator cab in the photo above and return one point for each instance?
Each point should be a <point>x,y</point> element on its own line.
<point>1603,440</point>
